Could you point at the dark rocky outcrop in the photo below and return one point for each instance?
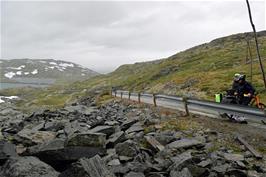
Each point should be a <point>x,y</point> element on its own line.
<point>115,139</point>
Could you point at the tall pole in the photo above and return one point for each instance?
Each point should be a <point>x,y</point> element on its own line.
<point>256,41</point>
<point>251,60</point>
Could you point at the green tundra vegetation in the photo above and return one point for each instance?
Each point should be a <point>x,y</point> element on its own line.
<point>198,72</point>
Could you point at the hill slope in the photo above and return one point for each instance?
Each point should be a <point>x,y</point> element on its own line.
<point>44,71</point>
<point>199,72</point>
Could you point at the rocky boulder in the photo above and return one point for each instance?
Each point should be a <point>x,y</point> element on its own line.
<point>27,167</point>
<point>6,150</point>
<point>108,130</point>
<point>58,153</point>
<point>115,138</point>
<point>127,149</point>
<point>84,167</point>
<point>31,137</point>
<point>87,139</point>
<point>185,143</point>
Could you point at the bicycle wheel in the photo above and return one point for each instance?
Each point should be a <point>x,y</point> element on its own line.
<point>261,106</point>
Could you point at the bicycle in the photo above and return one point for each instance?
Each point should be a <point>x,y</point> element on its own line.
<point>255,101</point>
<point>231,98</point>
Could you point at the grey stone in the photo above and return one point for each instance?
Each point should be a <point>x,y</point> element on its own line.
<point>87,139</point>
<point>6,150</point>
<point>128,123</point>
<point>58,155</point>
<point>115,138</point>
<point>13,125</point>
<point>240,165</point>
<point>221,169</point>
<point>165,139</point>
<point>162,164</point>
<point>120,169</point>
<point>213,174</point>
<point>127,148</point>
<point>233,157</point>
<point>197,171</point>
<point>135,174</point>
<point>125,158</point>
<point>205,163</point>
<point>155,145</point>
<point>80,109</point>
<point>184,143</point>
<point>180,161</point>
<point>93,167</point>
<point>138,166</point>
<point>111,123</point>
<point>255,174</point>
<point>135,128</point>
<point>32,137</point>
<point>108,130</point>
<point>75,127</point>
<point>38,127</point>
<point>114,162</point>
<point>27,167</point>
<point>184,173</point>
<point>156,174</point>
<point>54,126</point>
<point>236,173</point>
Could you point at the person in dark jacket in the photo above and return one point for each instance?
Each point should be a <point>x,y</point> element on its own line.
<point>242,89</point>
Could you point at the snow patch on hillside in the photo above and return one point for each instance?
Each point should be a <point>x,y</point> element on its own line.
<point>18,68</point>
<point>19,72</point>
<point>52,63</point>
<point>66,64</point>
<point>34,71</point>
<point>26,73</point>
<point>10,75</point>
<point>7,97</point>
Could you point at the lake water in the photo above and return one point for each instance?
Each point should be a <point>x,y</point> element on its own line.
<point>27,82</point>
<point>17,85</point>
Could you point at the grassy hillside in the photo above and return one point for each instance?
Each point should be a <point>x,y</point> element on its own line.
<point>199,72</point>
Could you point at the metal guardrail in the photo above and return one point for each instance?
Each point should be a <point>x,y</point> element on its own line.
<point>195,106</point>
<point>229,107</point>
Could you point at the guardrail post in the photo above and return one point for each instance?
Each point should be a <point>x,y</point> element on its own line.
<point>121,95</point>
<point>129,95</point>
<point>139,97</point>
<point>185,106</point>
<point>154,99</point>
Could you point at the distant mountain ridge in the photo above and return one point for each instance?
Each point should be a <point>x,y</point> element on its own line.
<point>43,71</point>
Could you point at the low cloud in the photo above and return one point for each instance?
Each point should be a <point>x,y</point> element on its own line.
<point>104,35</point>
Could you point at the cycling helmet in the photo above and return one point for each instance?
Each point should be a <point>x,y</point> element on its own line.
<point>239,77</point>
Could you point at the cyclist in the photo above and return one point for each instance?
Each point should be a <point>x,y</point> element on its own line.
<point>242,89</point>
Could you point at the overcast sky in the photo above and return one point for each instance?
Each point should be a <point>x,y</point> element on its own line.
<point>104,35</point>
